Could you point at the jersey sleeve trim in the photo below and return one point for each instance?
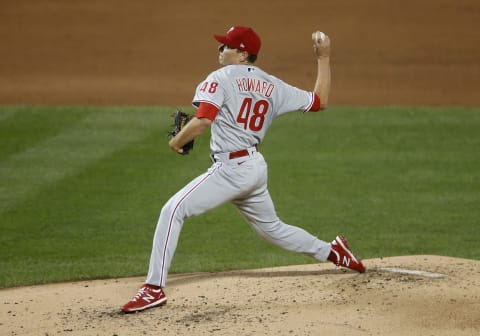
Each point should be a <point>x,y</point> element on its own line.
<point>315,103</point>
<point>197,103</point>
<point>207,110</point>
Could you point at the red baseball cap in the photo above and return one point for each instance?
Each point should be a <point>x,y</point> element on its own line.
<point>243,38</point>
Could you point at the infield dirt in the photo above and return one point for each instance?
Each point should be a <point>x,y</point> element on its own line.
<point>294,300</point>
<point>411,52</point>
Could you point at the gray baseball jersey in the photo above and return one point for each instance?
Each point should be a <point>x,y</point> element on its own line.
<point>248,99</point>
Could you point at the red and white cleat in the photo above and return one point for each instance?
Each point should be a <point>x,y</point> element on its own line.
<point>341,255</point>
<point>148,296</point>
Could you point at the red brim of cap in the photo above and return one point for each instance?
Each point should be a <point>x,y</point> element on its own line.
<point>221,38</point>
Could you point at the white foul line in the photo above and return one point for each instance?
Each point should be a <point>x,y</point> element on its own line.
<point>413,272</point>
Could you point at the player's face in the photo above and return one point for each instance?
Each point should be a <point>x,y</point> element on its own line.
<point>228,55</point>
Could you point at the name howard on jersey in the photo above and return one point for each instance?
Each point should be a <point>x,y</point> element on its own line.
<point>255,85</point>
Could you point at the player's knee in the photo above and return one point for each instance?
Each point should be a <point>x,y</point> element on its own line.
<point>273,227</point>
<point>269,230</point>
<point>172,210</point>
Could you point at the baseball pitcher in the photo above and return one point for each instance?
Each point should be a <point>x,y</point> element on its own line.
<point>239,102</point>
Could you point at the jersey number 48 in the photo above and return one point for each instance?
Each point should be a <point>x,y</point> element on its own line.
<point>252,115</point>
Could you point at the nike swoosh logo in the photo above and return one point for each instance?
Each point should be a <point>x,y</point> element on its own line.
<point>240,162</point>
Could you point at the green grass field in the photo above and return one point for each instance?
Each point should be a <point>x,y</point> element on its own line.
<point>81,189</point>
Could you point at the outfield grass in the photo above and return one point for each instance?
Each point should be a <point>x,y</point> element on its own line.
<point>81,189</point>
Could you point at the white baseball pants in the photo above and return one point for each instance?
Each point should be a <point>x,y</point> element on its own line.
<point>242,181</point>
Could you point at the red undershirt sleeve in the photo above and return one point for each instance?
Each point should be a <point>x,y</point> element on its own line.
<point>316,103</point>
<point>206,110</point>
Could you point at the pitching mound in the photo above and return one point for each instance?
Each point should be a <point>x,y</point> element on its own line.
<point>419,295</point>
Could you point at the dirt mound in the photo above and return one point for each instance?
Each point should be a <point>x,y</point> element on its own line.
<point>417,295</point>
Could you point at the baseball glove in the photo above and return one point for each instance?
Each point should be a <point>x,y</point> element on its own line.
<point>181,119</point>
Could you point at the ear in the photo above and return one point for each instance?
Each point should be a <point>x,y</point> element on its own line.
<point>243,56</point>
